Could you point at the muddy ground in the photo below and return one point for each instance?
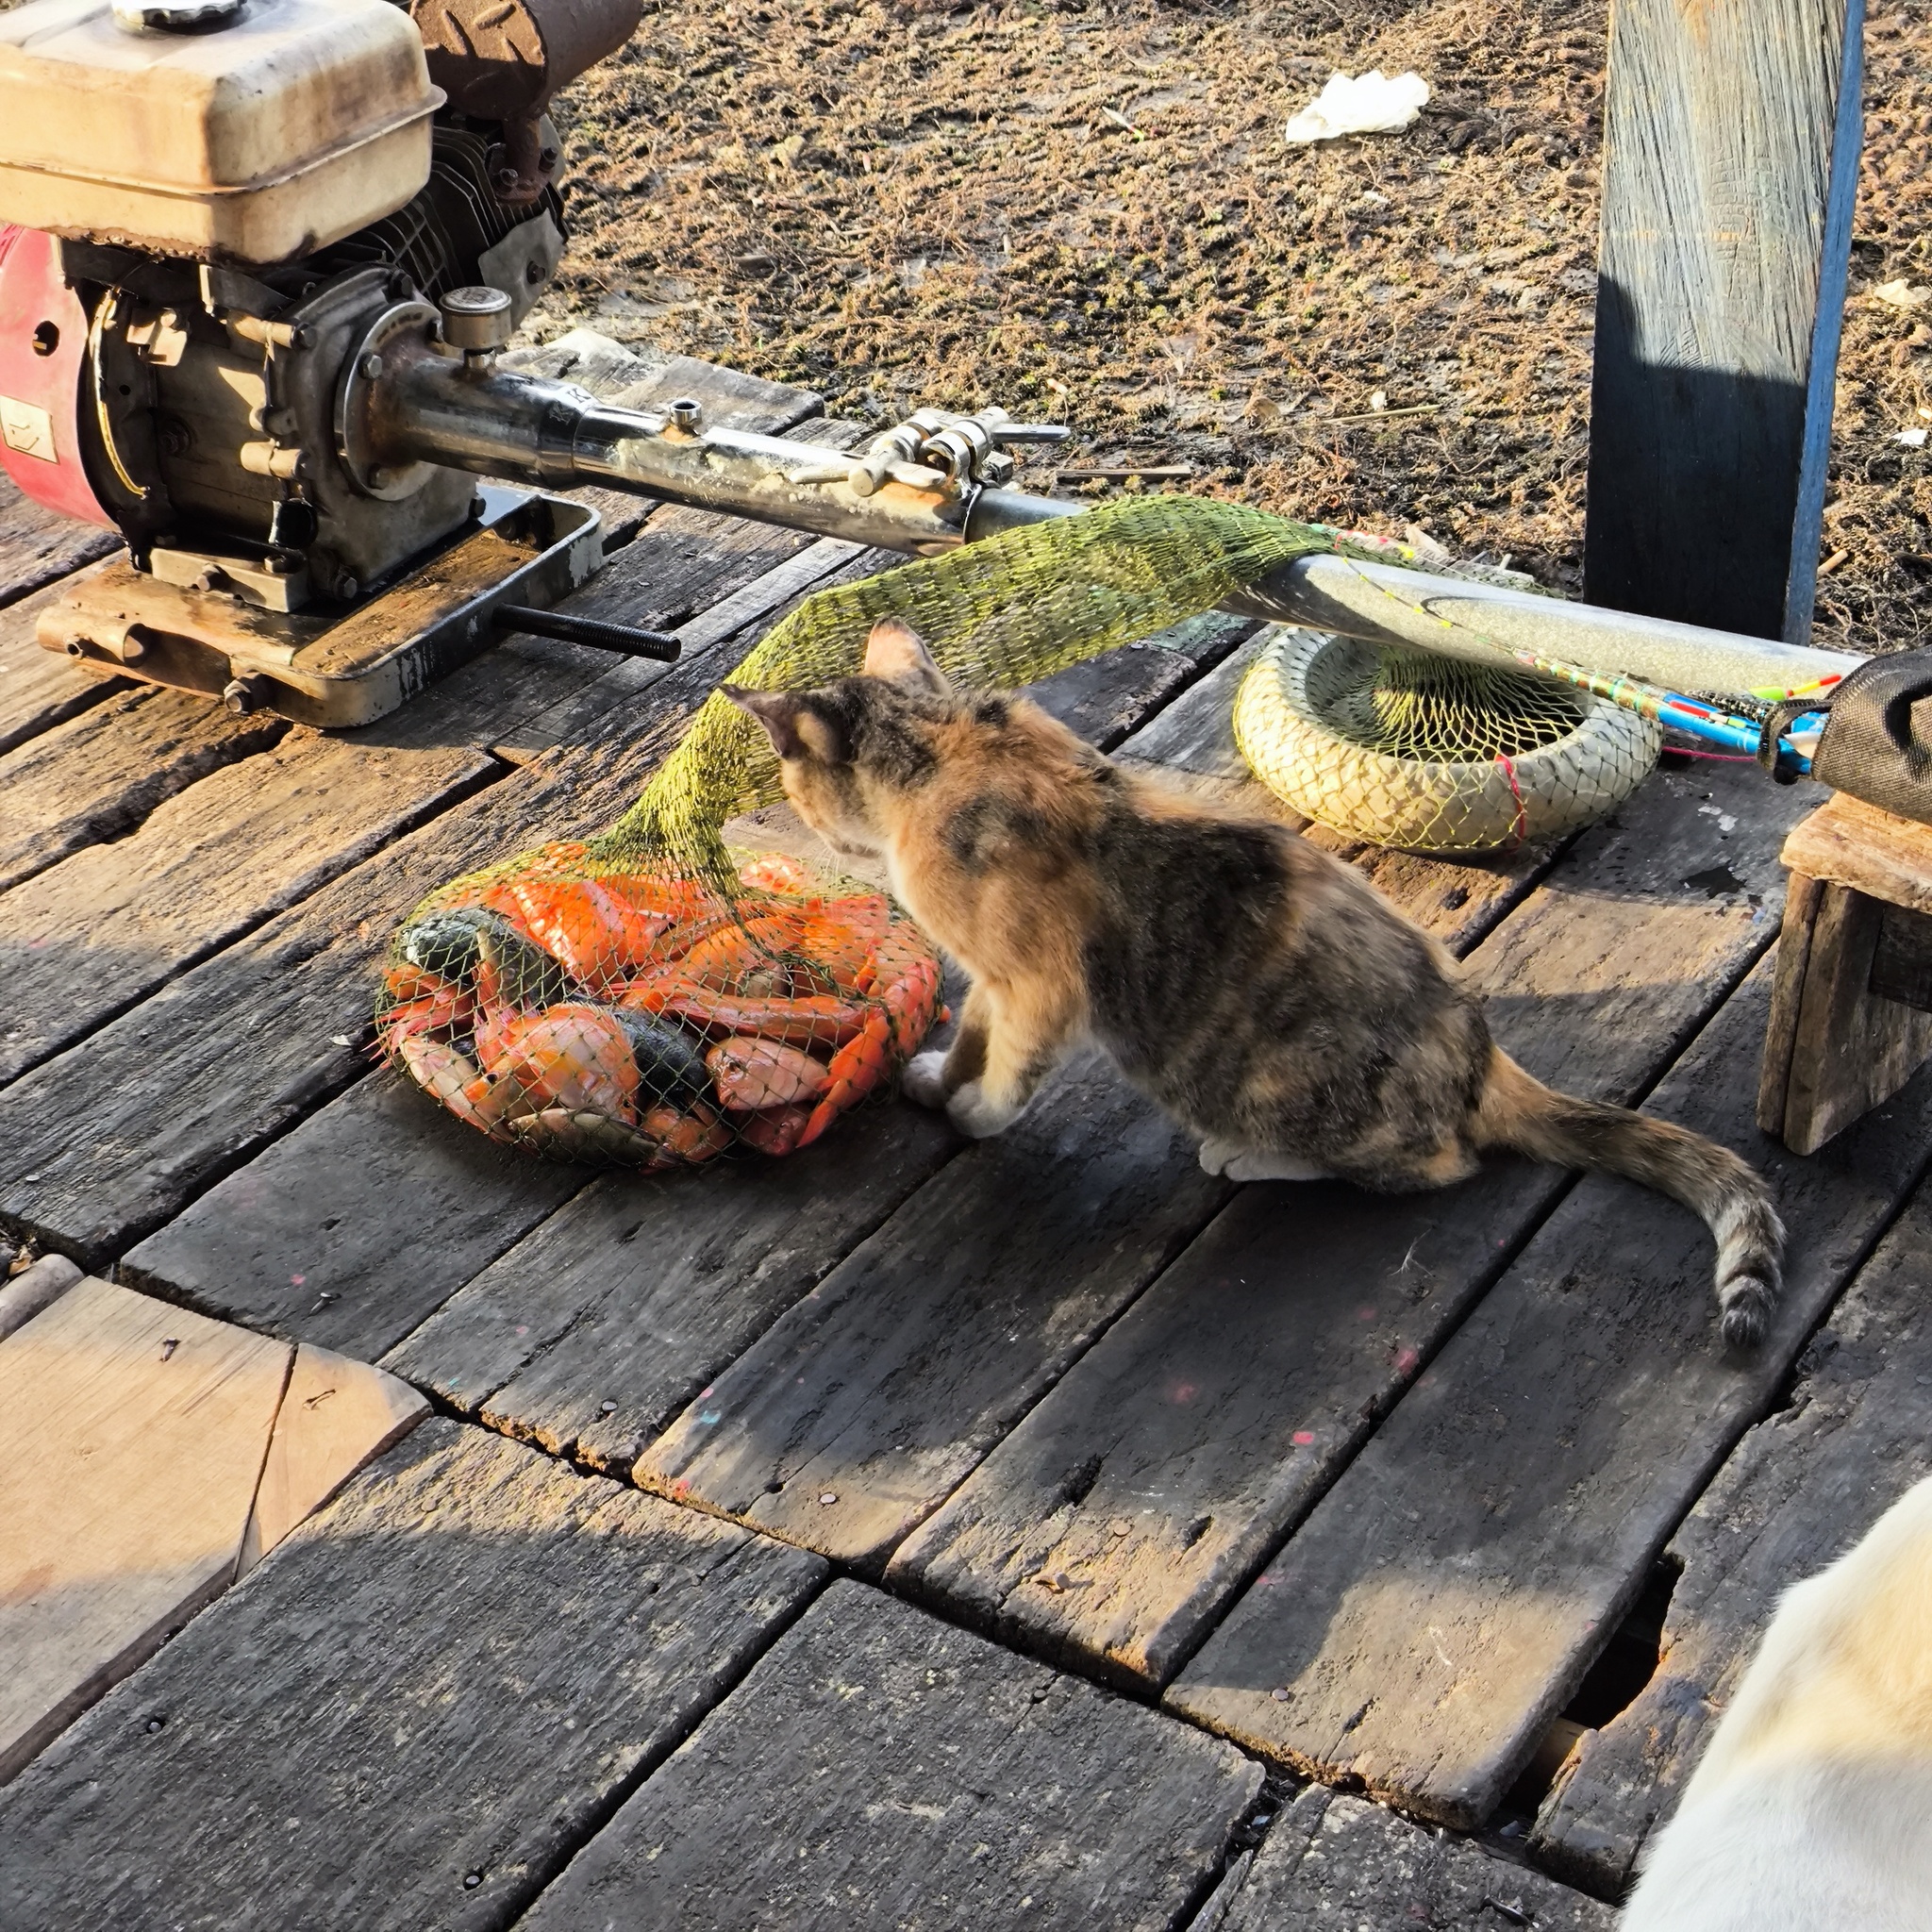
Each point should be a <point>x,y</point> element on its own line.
<point>1088,211</point>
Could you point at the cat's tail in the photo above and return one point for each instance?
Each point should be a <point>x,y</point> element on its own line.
<point>1517,1110</point>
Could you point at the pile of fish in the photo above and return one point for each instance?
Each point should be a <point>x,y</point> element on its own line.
<point>637,1018</point>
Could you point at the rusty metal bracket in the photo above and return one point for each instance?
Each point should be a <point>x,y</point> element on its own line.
<point>521,550</point>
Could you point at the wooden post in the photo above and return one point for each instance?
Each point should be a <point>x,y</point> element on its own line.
<point>1731,137</point>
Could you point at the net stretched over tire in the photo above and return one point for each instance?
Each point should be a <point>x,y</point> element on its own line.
<point>1433,754</point>
<point>649,997</point>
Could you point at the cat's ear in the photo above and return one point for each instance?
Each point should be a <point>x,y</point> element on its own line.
<point>896,651</point>
<point>795,726</point>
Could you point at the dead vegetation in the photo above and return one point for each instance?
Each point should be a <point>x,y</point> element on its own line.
<point>1088,211</point>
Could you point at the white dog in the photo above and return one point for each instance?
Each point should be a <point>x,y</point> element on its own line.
<point>1812,1809</point>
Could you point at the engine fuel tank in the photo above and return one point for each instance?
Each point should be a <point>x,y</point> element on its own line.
<point>270,130</point>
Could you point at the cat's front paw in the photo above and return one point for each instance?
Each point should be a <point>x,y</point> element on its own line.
<point>1215,1155</point>
<point>974,1113</point>
<point>923,1081</point>
<point>1247,1164</point>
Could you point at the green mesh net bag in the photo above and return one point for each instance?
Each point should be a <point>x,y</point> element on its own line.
<point>651,998</point>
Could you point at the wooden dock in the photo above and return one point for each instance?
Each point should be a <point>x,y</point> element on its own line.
<point>909,1533</point>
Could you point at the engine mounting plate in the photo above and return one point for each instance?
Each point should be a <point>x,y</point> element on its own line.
<point>340,668</point>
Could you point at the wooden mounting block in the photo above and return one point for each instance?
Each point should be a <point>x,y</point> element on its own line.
<point>1850,1017</point>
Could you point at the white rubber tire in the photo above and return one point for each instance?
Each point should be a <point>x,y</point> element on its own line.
<point>1418,806</point>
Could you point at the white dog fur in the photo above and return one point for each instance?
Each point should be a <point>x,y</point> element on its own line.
<point>1811,1809</point>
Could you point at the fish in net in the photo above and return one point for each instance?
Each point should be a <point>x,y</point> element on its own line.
<point>650,997</point>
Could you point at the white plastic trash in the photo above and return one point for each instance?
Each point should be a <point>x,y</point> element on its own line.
<point>1371,104</point>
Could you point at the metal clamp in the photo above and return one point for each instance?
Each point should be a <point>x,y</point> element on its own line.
<point>934,449</point>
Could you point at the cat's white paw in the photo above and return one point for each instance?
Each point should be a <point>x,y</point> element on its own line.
<point>1215,1155</point>
<point>974,1113</point>
<point>1248,1165</point>
<point>923,1080</point>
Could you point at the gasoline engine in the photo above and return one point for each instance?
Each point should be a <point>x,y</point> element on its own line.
<point>264,257</point>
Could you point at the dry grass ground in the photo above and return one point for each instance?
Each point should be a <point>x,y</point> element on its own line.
<point>1088,210</point>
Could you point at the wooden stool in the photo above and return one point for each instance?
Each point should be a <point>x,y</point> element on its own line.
<point>1851,1014</point>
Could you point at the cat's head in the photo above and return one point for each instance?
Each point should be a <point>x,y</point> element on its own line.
<point>848,751</point>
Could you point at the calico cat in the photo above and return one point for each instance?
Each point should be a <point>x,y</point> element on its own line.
<point>1260,990</point>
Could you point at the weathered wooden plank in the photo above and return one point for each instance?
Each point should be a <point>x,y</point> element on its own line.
<point>132,1435</point>
<point>1853,843</point>
<point>1332,1860</point>
<point>98,775</point>
<point>1106,699</point>
<point>38,547</point>
<point>1902,964</point>
<point>1509,1510</point>
<point>1786,995</point>
<point>1731,134</point>
<point>37,689</point>
<point>879,1769</point>
<point>853,1416</point>
<point>349,1229</point>
<point>336,1415</point>
<point>409,1715</point>
<point>1801,1488</point>
<point>88,938</point>
<point>593,1332</point>
<point>1111,1527</point>
<point>306,1208</point>
<point>1851,1047</point>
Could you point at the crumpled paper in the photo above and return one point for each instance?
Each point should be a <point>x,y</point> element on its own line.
<point>1371,104</point>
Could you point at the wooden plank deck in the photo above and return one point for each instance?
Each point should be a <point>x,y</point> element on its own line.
<point>1228,1449</point>
<point>879,1769</point>
<point>409,1714</point>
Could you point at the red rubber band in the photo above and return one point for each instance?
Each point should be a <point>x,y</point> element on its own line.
<point>1520,830</point>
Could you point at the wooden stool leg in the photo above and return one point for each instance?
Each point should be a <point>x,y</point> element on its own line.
<point>1786,995</point>
<point>1850,1047</point>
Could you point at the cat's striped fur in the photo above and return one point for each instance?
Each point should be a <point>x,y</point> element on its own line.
<point>1259,990</point>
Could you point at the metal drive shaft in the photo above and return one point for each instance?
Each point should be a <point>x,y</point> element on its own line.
<point>431,406</point>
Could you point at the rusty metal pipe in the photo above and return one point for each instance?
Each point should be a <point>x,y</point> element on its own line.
<point>424,405</point>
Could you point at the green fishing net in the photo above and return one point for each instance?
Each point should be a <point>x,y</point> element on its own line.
<point>652,997</point>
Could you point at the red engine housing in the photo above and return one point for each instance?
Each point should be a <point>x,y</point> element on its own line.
<point>43,354</point>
